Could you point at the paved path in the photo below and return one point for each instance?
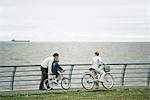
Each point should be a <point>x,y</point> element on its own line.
<point>37,91</point>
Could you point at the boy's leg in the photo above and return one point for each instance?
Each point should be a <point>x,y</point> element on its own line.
<point>58,77</point>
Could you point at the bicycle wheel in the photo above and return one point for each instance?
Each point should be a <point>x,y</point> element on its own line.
<point>87,81</point>
<point>48,84</point>
<point>108,81</point>
<point>65,83</point>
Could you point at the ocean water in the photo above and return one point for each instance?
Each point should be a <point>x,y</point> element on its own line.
<point>26,53</point>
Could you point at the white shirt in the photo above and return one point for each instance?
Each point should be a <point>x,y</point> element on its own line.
<point>96,61</point>
<point>47,63</point>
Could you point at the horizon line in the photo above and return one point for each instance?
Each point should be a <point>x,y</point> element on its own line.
<point>85,41</point>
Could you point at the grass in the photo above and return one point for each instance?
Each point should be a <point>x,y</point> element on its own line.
<point>114,94</point>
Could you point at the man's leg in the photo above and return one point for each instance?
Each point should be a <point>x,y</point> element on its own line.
<point>44,76</point>
<point>41,83</point>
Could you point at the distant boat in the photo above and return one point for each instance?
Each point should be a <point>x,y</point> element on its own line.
<point>13,40</point>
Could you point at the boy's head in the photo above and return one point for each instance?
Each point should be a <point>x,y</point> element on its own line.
<point>56,56</point>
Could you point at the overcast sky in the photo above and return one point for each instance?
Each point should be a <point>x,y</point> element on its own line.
<point>75,20</point>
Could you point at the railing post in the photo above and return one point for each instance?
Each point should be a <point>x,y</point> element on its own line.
<point>70,73</point>
<point>13,78</point>
<point>148,78</point>
<point>123,73</point>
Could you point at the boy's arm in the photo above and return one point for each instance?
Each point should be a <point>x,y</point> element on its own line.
<point>60,68</point>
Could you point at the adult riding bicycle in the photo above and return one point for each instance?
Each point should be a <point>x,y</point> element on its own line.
<point>51,82</point>
<point>88,80</point>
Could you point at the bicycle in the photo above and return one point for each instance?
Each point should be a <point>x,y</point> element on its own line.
<point>88,81</point>
<point>51,82</point>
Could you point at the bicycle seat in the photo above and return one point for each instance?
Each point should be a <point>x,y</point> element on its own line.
<point>91,69</point>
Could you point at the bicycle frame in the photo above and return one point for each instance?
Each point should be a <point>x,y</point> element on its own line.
<point>53,77</point>
<point>105,68</point>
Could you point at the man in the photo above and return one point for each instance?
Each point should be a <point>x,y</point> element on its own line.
<point>96,65</point>
<point>46,67</point>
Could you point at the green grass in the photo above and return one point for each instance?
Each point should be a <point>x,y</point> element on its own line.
<point>115,94</point>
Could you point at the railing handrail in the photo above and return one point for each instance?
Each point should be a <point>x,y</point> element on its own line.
<point>79,64</point>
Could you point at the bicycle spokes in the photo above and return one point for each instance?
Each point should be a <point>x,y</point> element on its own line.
<point>65,83</point>
<point>108,81</point>
<point>87,81</point>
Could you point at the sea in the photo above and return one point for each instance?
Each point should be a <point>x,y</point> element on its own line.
<point>30,53</point>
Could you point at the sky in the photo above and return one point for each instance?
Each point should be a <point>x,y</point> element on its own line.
<point>75,20</point>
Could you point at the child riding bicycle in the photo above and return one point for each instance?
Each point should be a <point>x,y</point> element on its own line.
<point>96,67</point>
<point>56,70</point>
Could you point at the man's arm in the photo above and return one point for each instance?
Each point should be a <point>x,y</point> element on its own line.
<point>50,66</point>
<point>49,69</point>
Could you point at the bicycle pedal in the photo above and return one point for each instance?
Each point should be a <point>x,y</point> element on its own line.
<point>55,83</point>
<point>96,80</point>
<point>101,81</point>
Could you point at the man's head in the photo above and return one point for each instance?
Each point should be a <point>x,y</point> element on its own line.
<point>56,56</point>
<point>96,53</point>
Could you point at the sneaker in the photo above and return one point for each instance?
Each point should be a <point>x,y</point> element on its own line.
<point>96,85</point>
<point>42,89</point>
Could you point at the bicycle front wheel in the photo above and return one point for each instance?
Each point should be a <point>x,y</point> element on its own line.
<point>65,83</point>
<point>87,81</point>
<point>48,84</point>
<point>108,81</point>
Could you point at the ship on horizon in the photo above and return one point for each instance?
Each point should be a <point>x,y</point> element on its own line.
<point>13,40</point>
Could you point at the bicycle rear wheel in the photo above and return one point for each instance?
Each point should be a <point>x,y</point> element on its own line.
<point>65,83</point>
<point>87,81</point>
<point>108,81</point>
<point>48,84</point>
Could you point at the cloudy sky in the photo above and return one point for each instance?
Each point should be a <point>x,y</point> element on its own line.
<point>75,20</point>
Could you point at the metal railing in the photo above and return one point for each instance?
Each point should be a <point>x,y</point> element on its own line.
<point>27,77</point>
